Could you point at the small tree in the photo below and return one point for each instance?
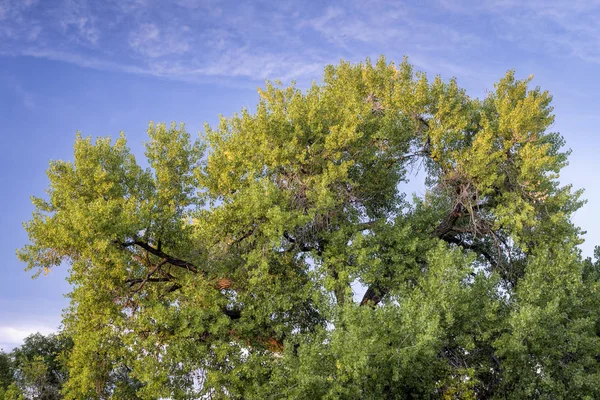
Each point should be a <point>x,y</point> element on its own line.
<point>39,370</point>
<point>229,272</point>
<point>7,373</point>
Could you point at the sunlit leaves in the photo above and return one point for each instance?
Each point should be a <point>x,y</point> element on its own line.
<point>228,267</point>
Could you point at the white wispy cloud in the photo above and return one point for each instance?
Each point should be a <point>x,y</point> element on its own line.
<point>81,60</point>
<point>128,6</point>
<point>150,41</point>
<point>555,27</point>
<point>15,22</point>
<point>194,40</point>
<point>78,22</point>
<point>12,336</point>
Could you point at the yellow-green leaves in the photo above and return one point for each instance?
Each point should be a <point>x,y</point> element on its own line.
<point>277,256</point>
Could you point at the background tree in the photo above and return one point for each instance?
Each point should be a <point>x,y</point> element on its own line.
<point>7,373</point>
<point>38,367</point>
<point>229,272</point>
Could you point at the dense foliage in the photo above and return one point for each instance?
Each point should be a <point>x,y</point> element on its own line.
<point>35,370</point>
<point>234,266</point>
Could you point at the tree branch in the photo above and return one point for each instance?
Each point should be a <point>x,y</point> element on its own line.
<point>447,224</point>
<point>159,253</point>
<point>302,246</point>
<point>376,292</point>
<point>132,282</point>
<point>221,284</point>
<point>152,271</point>
<point>470,246</point>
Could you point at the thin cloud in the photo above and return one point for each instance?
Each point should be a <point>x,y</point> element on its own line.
<point>12,336</point>
<point>26,97</point>
<point>79,22</point>
<point>149,41</point>
<point>194,41</point>
<point>554,27</point>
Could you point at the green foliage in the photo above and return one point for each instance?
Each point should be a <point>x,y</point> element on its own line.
<point>8,388</point>
<point>12,392</point>
<point>227,267</point>
<point>6,370</point>
<point>39,370</point>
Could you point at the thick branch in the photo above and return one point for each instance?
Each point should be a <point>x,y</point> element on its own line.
<point>374,294</point>
<point>152,271</point>
<point>223,283</point>
<point>159,253</point>
<point>244,236</point>
<point>132,282</point>
<point>363,226</point>
<point>447,225</point>
<point>301,246</point>
<point>469,246</point>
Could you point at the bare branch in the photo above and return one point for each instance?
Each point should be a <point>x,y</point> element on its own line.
<point>159,253</point>
<point>374,294</point>
<point>152,271</point>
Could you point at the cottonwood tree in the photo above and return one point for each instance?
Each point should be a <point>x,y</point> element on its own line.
<point>227,267</point>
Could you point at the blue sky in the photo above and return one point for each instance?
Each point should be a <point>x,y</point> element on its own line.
<point>105,66</point>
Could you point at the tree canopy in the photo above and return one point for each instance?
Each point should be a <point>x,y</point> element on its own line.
<point>36,369</point>
<point>231,266</point>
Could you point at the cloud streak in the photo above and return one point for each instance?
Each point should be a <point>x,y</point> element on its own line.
<point>194,40</point>
<point>12,336</point>
<point>553,27</point>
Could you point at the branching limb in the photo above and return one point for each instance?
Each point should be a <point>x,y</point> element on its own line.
<point>374,294</point>
<point>149,276</point>
<point>159,253</point>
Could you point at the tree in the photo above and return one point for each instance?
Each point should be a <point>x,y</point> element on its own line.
<point>6,373</point>
<point>227,267</point>
<point>38,366</point>
<point>37,370</point>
